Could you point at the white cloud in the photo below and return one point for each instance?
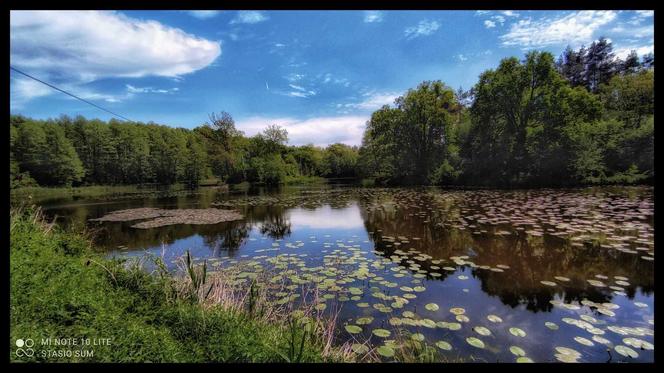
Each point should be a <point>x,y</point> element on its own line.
<point>499,19</point>
<point>204,14</point>
<point>645,13</point>
<point>294,77</point>
<point>372,16</point>
<point>510,13</point>
<point>489,24</point>
<point>321,131</point>
<point>647,31</point>
<point>372,101</point>
<point>249,16</point>
<point>461,57</point>
<point>85,46</point>
<point>24,89</point>
<point>297,87</point>
<point>573,29</point>
<point>482,12</point>
<point>640,50</point>
<point>422,29</point>
<point>132,89</point>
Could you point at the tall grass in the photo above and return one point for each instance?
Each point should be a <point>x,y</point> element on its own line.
<point>60,288</point>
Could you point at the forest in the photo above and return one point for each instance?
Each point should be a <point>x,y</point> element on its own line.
<point>584,118</point>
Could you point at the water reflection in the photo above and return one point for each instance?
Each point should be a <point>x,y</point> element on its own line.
<point>506,260</point>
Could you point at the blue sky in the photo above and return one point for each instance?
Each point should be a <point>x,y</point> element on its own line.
<point>319,74</point>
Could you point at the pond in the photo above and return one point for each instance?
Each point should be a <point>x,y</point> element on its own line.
<point>484,275</point>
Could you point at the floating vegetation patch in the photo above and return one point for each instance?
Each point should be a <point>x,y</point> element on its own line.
<point>159,217</point>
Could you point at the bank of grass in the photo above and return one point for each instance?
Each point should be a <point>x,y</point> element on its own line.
<point>61,289</point>
<point>305,180</point>
<point>22,195</point>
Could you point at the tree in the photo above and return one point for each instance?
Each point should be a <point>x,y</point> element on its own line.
<point>195,161</point>
<point>631,64</point>
<point>340,160</point>
<point>519,117</point>
<point>599,64</point>
<point>570,65</point>
<point>408,143</point>
<point>46,154</point>
<point>648,61</point>
<point>276,134</point>
<point>630,98</point>
<point>221,138</point>
<point>63,165</point>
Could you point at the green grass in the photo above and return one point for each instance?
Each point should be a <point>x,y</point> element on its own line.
<point>44,193</point>
<point>61,289</point>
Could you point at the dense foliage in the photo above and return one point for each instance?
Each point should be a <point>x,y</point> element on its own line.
<point>587,118</point>
<point>78,151</point>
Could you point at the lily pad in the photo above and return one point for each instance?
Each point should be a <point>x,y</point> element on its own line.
<point>444,345</point>
<point>383,333</point>
<point>518,351</point>
<point>626,351</point>
<point>494,318</point>
<point>432,307</point>
<point>353,329</point>
<point>584,341</point>
<point>482,331</point>
<point>386,351</point>
<point>419,337</point>
<point>524,359</point>
<point>359,348</point>
<point>364,320</point>
<point>457,310</point>
<point>517,332</point>
<point>475,342</point>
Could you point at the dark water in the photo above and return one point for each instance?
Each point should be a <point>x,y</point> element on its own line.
<point>484,252</point>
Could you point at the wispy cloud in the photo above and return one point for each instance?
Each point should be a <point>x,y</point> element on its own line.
<point>320,131</point>
<point>249,16</point>
<point>132,89</point>
<point>623,52</point>
<point>372,16</point>
<point>574,28</point>
<point>23,90</point>
<point>489,24</point>
<point>204,14</point>
<point>510,13</point>
<point>461,57</point>
<point>423,28</point>
<point>639,32</point>
<point>297,87</point>
<point>645,13</point>
<point>371,101</point>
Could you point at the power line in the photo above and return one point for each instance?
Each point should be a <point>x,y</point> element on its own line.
<point>70,94</point>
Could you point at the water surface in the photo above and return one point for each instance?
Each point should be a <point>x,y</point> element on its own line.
<point>582,259</point>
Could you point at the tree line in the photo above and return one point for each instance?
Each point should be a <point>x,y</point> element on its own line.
<point>585,118</point>
<point>66,152</point>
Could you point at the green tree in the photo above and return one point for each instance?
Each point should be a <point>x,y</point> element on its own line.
<point>409,142</point>
<point>340,160</point>
<point>519,120</point>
